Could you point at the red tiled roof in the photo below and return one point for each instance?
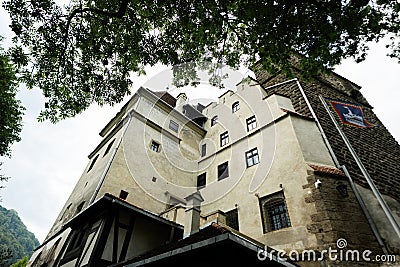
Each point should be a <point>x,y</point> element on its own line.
<point>326,169</point>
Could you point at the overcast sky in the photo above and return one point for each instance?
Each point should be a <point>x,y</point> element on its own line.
<point>49,160</point>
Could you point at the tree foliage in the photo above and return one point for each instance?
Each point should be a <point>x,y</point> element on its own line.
<point>85,52</point>
<point>11,109</point>
<point>21,263</point>
<point>14,236</point>
<point>5,255</point>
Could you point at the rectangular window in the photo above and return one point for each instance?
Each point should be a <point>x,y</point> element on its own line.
<point>223,171</point>
<point>123,194</point>
<point>252,157</point>
<point>203,150</point>
<point>155,146</point>
<point>201,180</point>
<point>251,123</point>
<point>274,212</point>
<point>278,216</point>
<point>232,219</point>
<point>214,120</point>
<point>235,106</point>
<point>173,126</point>
<point>224,138</point>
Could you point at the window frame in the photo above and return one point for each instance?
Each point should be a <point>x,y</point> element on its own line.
<point>232,218</point>
<point>155,144</point>
<point>269,202</point>
<point>174,126</point>
<point>235,106</point>
<point>224,139</point>
<point>203,150</point>
<point>250,155</point>
<point>123,194</point>
<point>201,180</point>
<point>251,123</point>
<point>214,120</point>
<point>223,170</point>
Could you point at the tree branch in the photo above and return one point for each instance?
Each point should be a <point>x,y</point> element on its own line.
<point>119,14</point>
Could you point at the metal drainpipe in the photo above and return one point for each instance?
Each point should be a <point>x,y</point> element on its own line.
<point>104,174</point>
<point>343,167</point>
<point>364,208</point>
<point>364,171</point>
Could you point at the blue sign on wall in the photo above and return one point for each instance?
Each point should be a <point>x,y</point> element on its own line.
<point>350,114</point>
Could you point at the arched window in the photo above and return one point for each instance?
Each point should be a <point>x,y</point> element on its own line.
<point>274,212</point>
<point>235,106</point>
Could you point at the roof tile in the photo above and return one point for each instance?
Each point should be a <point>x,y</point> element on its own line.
<point>326,169</point>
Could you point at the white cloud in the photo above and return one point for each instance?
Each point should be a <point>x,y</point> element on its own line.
<point>379,77</point>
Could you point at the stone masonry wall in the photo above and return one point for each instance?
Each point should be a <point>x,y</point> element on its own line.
<point>376,147</point>
<point>339,217</point>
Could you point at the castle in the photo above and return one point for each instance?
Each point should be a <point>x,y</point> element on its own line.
<point>277,165</point>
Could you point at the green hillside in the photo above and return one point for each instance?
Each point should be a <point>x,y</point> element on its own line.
<point>15,236</point>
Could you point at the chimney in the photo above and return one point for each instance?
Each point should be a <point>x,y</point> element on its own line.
<point>192,213</point>
<point>181,99</point>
